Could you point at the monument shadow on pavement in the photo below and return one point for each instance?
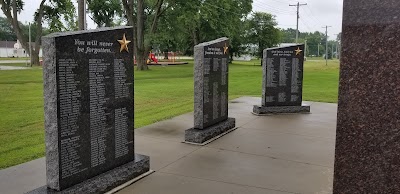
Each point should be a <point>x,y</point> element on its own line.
<point>88,96</point>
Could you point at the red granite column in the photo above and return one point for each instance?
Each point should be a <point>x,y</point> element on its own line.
<point>368,130</point>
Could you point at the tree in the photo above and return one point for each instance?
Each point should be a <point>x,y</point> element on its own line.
<point>289,35</point>
<point>315,40</point>
<point>146,12</point>
<point>6,32</point>
<point>49,10</point>
<point>339,37</point>
<point>181,24</point>
<point>104,12</point>
<point>188,23</point>
<point>262,31</point>
<point>141,55</point>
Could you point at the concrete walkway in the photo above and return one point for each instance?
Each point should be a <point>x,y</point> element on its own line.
<point>13,61</point>
<point>2,67</point>
<point>270,154</point>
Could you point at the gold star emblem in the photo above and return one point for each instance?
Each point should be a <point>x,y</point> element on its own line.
<point>298,51</point>
<point>124,44</point>
<point>225,49</point>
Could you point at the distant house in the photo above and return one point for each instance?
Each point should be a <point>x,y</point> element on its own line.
<point>14,49</point>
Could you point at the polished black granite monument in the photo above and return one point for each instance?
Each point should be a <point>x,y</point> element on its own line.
<point>282,84</point>
<point>210,92</point>
<point>88,96</point>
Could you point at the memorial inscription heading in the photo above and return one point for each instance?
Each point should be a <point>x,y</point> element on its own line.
<point>283,74</point>
<point>213,85</point>
<point>94,92</point>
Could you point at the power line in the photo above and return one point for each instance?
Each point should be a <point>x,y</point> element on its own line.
<point>298,17</point>
<point>311,15</point>
<point>271,9</point>
<point>307,26</point>
<point>224,9</point>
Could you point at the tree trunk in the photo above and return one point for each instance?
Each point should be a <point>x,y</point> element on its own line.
<point>35,57</point>
<point>194,36</point>
<point>128,6</point>
<point>141,59</point>
<point>39,33</point>
<point>12,18</point>
<point>154,25</point>
<point>166,54</point>
<point>81,14</point>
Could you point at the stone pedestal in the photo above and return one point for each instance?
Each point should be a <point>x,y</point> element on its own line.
<point>265,110</point>
<point>367,151</point>
<point>106,181</point>
<point>199,136</point>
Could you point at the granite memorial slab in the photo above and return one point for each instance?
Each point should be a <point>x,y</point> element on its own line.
<point>368,123</point>
<point>282,83</point>
<point>210,92</point>
<point>88,105</point>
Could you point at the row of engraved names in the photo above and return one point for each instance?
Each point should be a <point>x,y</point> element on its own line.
<point>284,66</point>
<point>282,97</point>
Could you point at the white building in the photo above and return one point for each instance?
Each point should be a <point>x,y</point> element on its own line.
<point>14,49</point>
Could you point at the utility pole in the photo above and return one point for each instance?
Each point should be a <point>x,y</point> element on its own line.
<point>337,49</point>
<point>7,48</point>
<point>319,44</point>
<point>30,46</point>
<point>332,50</point>
<point>298,17</point>
<point>326,43</point>
<point>82,14</point>
<point>305,49</point>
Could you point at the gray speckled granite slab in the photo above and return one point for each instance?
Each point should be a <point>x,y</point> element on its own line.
<point>106,181</point>
<point>199,136</point>
<point>211,82</point>
<point>260,110</point>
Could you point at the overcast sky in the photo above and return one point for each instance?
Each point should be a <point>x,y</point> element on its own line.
<point>313,16</point>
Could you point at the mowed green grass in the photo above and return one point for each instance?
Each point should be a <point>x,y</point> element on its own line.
<point>161,93</point>
<point>20,65</point>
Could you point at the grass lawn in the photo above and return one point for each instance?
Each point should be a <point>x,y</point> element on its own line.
<point>19,65</point>
<point>13,58</point>
<point>161,93</point>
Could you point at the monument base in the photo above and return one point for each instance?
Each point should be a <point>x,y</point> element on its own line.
<point>106,181</point>
<point>266,110</point>
<point>204,136</point>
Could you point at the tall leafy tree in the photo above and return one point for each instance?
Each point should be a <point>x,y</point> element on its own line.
<point>144,15</point>
<point>6,32</point>
<point>181,24</point>
<point>105,12</point>
<point>262,31</point>
<point>189,23</point>
<point>52,11</point>
<point>314,40</point>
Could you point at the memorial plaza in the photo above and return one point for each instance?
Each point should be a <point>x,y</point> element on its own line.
<point>291,153</point>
